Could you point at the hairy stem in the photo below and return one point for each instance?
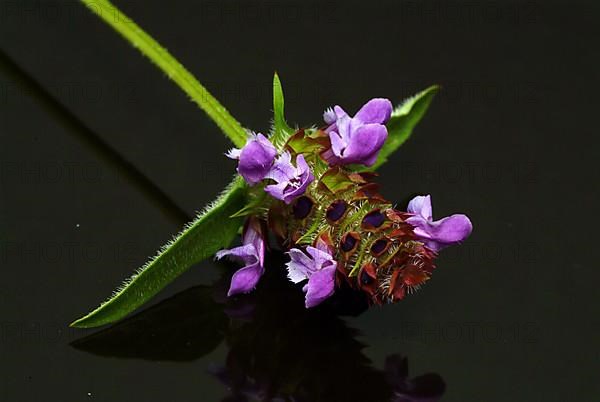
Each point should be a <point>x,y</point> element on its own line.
<point>170,66</point>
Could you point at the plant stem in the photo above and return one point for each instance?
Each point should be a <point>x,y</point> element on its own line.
<point>170,66</point>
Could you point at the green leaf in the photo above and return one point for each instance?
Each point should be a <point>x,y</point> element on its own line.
<point>212,230</point>
<point>282,130</point>
<point>170,66</point>
<point>402,122</point>
<point>184,327</point>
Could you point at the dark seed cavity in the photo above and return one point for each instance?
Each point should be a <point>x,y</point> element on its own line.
<point>373,219</point>
<point>302,207</point>
<point>365,278</point>
<point>348,242</point>
<point>336,210</point>
<point>379,246</point>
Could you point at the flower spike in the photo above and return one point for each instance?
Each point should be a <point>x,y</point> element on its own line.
<point>341,229</point>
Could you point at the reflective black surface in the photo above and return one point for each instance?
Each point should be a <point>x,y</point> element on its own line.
<point>276,349</point>
<point>101,158</point>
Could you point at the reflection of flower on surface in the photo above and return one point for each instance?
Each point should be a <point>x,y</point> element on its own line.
<point>281,351</point>
<point>277,349</point>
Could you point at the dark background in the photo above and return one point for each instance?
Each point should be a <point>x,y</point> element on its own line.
<point>511,315</point>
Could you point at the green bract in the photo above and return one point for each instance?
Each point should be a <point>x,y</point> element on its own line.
<point>217,226</point>
<point>404,119</point>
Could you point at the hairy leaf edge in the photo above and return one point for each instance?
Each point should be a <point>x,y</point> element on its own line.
<point>219,202</point>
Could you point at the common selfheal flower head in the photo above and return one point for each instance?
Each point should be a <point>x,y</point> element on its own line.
<point>357,139</point>
<point>436,234</point>
<point>318,266</point>
<point>252,254</point>
<point>291,181</point>
<point>339,229</point>
<point>255,158</point>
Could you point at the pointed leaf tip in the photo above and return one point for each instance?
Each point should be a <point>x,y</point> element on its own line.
<point>404,119</point>
<point>281,129</point>
<point>211,231</point>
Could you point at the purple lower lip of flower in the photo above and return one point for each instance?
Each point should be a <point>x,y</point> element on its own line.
<point>357,139</point>
<point>318,266</point>
<point>252,254</point>
<point>291,181</point>
<point>255,158</point>
<point>437,234</point>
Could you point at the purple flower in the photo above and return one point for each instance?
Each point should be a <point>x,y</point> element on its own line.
<point>437,234</point>
<point>318,267</point>
<point>255,158</point>
<point>291,181</point>
<point>252,254</point>
<point>357,139</point>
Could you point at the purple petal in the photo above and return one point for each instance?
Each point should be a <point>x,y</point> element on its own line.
<point>439,234</point>
<point>292,192</point>
<point>256,159</point>
<point>365,144</point>
<point>338,145</point>
<point>339,112</point>
<point>333,117</point>
<point>261,139</point>
<point>377,110</point>
<point>301,165</point>
<point>276,190</point>
<point>291,181</point>
<point>330,157</point>
<point>320,258</point>
<point>442,233</point>
<point>421,205</point>
<point>358,139</point>
<point>251,253</point>
<point>253,235</point>
<point>282,170</point>
<point>245,279</point>
<point>246,254</point>
<point>329,116</point>
<point>320,286</point>
<point>447,231</point>
<point>417,221</point>
<point>300,266</point>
